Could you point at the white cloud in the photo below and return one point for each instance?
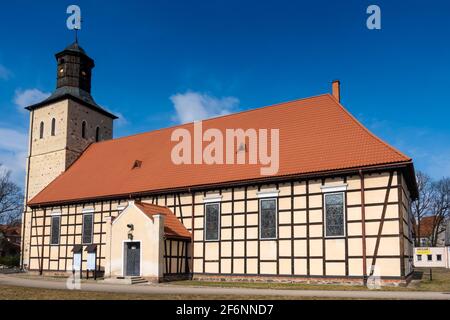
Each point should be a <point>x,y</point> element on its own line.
<point>13,153</point>
<point>5,74</point>
<point>192,106</point>
<point>28,97</point>
<point>121,121</point>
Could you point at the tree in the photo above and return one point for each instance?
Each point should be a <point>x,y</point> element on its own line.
<point>11,198</point>
<point>440,208</point>
<point>423,205</point>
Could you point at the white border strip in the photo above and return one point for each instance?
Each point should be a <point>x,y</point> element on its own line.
<point>268,194</point>
<point>210,199</point>
<point>340,188</point>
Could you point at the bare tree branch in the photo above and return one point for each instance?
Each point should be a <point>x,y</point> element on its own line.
<point>11,198</point>
<point>440,208</point>
<point>423,205</point>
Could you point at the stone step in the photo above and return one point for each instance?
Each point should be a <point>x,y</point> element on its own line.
<point>126,280</point>
<point>137,280</point>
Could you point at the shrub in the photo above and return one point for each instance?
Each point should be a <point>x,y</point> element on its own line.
<point>10,261</point>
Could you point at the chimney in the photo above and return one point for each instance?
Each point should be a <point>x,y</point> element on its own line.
<point>336,89</point>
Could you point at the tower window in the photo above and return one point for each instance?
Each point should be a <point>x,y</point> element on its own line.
<point>53,126</point>
<point>83,130</point>
<point>41,130</point>
<point>97,134</point>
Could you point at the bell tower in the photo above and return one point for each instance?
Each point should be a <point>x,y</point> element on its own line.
<point>74,68</point>
<point>62,127</point>
<point>66,123</point>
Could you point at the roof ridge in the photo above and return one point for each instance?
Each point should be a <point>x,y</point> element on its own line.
<point>214,118</point>
<point>367,130</point>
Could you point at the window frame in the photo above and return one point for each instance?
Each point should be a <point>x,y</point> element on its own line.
<point>419,257</point>
<point>219,217</point>
<point>439,257</point>
<point>53,217</point>
<point>344,215</point>
<point>276,217</point>
<point>429,257</point>
<point>85,213</point>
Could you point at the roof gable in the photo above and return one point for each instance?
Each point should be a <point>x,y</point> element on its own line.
<point>316,135</point>
<point>173,228</point>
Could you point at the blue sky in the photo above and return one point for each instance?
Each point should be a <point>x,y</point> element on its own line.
<point>159,63</point>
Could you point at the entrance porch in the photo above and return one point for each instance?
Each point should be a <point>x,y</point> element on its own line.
<point>147,241</point>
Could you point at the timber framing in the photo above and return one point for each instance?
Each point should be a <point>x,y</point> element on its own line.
<point>300,249</point>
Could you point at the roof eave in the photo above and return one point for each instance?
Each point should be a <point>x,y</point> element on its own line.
<point>76,99</point>
<point>405,165</point>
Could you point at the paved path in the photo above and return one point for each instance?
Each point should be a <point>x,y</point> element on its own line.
<point>14,280</point>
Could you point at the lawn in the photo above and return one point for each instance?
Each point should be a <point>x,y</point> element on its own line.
<point>440,282</point>
<point>421,282</point>
<point>23,293</point>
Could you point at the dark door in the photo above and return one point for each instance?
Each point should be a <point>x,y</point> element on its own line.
<point>132,258</point>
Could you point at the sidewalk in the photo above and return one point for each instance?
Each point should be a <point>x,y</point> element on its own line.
<point>12,280</point>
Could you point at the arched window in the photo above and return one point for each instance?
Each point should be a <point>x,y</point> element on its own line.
<point>83,130</point>
<point>53,126</point>
<point>41,130</point>
<point>97,134</point>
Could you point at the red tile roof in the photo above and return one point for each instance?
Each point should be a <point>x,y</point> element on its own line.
<point>426,226</point>
<point>316,134</point>
<point>173,228</point>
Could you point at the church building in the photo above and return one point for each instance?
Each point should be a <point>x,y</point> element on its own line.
<point>337,210</point>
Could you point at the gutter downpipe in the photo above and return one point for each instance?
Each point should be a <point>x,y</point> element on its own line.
<point>363,222</point>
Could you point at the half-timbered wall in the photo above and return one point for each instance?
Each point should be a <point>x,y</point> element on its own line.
<point>176,257</point>
<point>300,248</point>
<point>407,242</point>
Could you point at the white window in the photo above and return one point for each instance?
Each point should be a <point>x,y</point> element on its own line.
<point>268,218</point>
<point>334,215</point>
<point>212,221</point>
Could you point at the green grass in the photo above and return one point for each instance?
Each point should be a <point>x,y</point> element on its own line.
<point>268,285</point>
<point>440,282</point>
<point>24,293</point>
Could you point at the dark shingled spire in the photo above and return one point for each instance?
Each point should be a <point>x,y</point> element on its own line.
<point>74,74</point>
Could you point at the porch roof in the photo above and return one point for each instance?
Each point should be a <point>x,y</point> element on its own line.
<point>173,228</point>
